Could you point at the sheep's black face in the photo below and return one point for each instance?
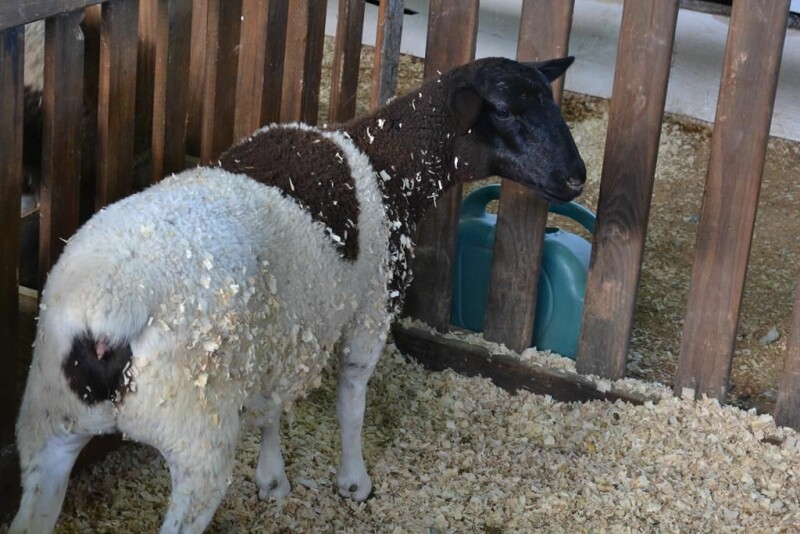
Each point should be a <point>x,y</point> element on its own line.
<point>516,127</point>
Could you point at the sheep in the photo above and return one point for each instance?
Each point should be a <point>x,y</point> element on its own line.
<point>220,293</point>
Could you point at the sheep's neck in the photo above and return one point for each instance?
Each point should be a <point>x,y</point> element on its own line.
<point>412,146</point>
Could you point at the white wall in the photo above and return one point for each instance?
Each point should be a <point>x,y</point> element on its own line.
<point>697,58</point>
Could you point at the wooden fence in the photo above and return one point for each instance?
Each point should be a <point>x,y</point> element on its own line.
<point>158,76</point>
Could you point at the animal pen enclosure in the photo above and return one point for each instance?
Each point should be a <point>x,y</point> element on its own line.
<point>144,101</point>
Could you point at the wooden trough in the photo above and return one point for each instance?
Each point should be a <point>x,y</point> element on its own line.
<point>158,77</point>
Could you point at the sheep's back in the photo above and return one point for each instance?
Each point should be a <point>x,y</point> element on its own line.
<point>216,278</point>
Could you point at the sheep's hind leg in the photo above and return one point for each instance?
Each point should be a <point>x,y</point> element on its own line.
<point>270,473</point>
<point>357,363</point>
<point>45,475</point>
<point>200,474</point>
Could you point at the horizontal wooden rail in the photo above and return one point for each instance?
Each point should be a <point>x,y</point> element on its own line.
<point>437,353</point>
<point>17,12</point>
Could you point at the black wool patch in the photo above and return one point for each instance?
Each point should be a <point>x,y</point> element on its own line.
<point>96,379</point>
<point>308,168</point>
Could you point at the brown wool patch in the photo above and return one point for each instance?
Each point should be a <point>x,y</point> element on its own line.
<point>308,168</point>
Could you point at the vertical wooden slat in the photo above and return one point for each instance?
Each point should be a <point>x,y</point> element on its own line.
<point>346,58</point>
<point>277,29</point>
<point>522,216</point>
<point>116,100</point>
<point>222,60</point>
<point>145,73</point>
<point>738,147</point>
<point>62,112</point>
<point>452,30</point>
<point>11,105</point>
<point>197,75</point>
<point>252,59</point>
<point>387,51</point>
<point>171,85</point>
<point>263,34</point>
<point>303,67</point>
<point>92,22</point>
<point>637,107</point>
<point>787,408</point>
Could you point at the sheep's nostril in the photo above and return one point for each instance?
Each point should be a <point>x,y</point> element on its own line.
<point>574,183</point>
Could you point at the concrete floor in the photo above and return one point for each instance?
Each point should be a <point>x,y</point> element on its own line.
<point>697,57</point>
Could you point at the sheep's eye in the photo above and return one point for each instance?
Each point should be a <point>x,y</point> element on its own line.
<point>502,114</point>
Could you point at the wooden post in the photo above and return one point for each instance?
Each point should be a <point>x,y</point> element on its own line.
<point>303,62</point>
<point>452,29</point>
<point>522,216</point>
<point>222,59</point>
<point>263,42</point>
<point>634,128</point>
<point>197,75</point>
<point>787,409</point>
<point>91,26</point>
<point>738,147</point>
<point>277,30</point>
<point>12,50</point>
<point>252,56</point>
<point>387,51</point>
<point>116,100</point>
<point>170,91</point>
<point>145,73</point>
<point>346,58</point>
<point>62,112</point>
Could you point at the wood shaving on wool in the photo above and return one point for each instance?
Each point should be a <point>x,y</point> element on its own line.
<point>449,453</point>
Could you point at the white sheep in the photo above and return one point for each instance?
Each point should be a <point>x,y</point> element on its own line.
<point>222,291</point>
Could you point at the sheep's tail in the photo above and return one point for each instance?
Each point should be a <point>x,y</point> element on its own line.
<point>97,368</point>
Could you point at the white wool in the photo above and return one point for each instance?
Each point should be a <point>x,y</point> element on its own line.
<point>237,261</point>
<point>230,295</point>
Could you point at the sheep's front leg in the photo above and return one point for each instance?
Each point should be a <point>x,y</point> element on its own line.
<point>270,473</point>
<point>358,361</point>
<point>45,475</point>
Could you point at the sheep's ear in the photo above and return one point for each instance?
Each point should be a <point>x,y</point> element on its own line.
<point>552,68</point>
<point>465,105</point>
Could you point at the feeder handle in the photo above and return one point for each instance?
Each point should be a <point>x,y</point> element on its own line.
<point>576,212</point>
<point>474,205</point>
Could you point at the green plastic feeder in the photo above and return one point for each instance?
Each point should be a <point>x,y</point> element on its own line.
<point>562,276</point>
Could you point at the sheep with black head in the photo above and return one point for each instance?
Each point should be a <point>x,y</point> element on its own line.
<point>220,293</point>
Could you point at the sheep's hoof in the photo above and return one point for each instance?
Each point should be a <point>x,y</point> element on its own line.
<point>275,488</point>
<point>358,490</point>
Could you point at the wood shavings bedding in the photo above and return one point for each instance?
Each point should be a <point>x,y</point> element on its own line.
<point>454,454</point>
